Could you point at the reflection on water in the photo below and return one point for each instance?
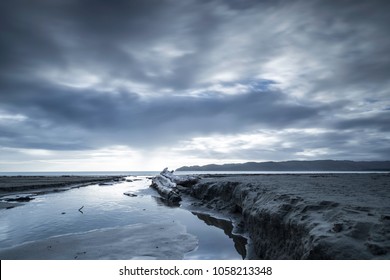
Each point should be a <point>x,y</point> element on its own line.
<point>164,202</point>
<point>98,207</point>
<point>240,242</point>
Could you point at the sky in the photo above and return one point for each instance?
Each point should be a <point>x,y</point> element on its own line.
<point>96,85</point>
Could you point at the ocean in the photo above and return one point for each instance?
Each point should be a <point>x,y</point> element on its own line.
<point>154,173</point>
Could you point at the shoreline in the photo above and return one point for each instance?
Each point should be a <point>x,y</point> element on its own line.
<point>331,216</point>
<point>16,190</point>
<point>301,216</point>
<point>284,216</point>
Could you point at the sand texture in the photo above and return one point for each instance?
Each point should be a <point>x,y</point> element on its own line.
<point>139,241</point>
<point>305,216</point>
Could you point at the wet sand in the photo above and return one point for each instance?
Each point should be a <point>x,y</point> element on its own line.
<point>139,241</point>
<point>305,216</point>
<point>287,216</point>
<point>15,190</point>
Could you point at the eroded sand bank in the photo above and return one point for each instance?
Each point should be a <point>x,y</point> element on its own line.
<point>305,216</point>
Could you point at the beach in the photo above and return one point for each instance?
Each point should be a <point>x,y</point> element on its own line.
<point>304,216</point>
<point>266,216</point>
<point>112,218</point>
<point>15,190</point>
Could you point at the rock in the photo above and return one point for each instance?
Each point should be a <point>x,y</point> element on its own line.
<point>106,184</point>
<point>20,199</point>
<point>337,227</point>
<point>130,194</point>
<point>376,249</point>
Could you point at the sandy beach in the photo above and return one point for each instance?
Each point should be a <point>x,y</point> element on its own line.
<point>284,216</point>
<point>304,216</point>
<point>138,241</point>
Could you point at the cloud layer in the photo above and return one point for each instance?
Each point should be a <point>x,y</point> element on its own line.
<point>192,82</point>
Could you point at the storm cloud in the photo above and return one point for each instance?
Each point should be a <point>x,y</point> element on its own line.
<point>203,81</point>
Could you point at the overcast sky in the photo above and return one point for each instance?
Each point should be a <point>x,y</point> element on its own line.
<point>140,85</point>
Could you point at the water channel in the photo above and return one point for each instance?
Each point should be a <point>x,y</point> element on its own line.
<point>98,207</point>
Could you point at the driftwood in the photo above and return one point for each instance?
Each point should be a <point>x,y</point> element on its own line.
<point>166,188</point>
<point>166,184</point>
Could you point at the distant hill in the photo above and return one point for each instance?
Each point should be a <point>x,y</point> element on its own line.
<point>295,165</point>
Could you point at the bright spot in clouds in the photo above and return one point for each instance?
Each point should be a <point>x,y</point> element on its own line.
<point>140,85</point>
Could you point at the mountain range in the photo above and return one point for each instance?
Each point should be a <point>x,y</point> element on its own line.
<point>295,165</point>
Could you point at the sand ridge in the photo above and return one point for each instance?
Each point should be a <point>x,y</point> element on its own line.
<point>306,216</point>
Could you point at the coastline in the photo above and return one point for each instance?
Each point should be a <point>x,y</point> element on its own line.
<point>302,216</point>
<point>141,239</point>
<point>284,216</point>
<point>15,190</point>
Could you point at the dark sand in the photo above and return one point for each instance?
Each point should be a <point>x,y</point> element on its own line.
<point>14,190</point>
<point>306,216</point>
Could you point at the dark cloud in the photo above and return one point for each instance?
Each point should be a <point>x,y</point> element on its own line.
<point>376,121</point>
<point>78,75</point>
<point>125,118</point>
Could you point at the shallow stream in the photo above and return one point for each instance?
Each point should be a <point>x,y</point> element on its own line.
<point>105,206</point>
